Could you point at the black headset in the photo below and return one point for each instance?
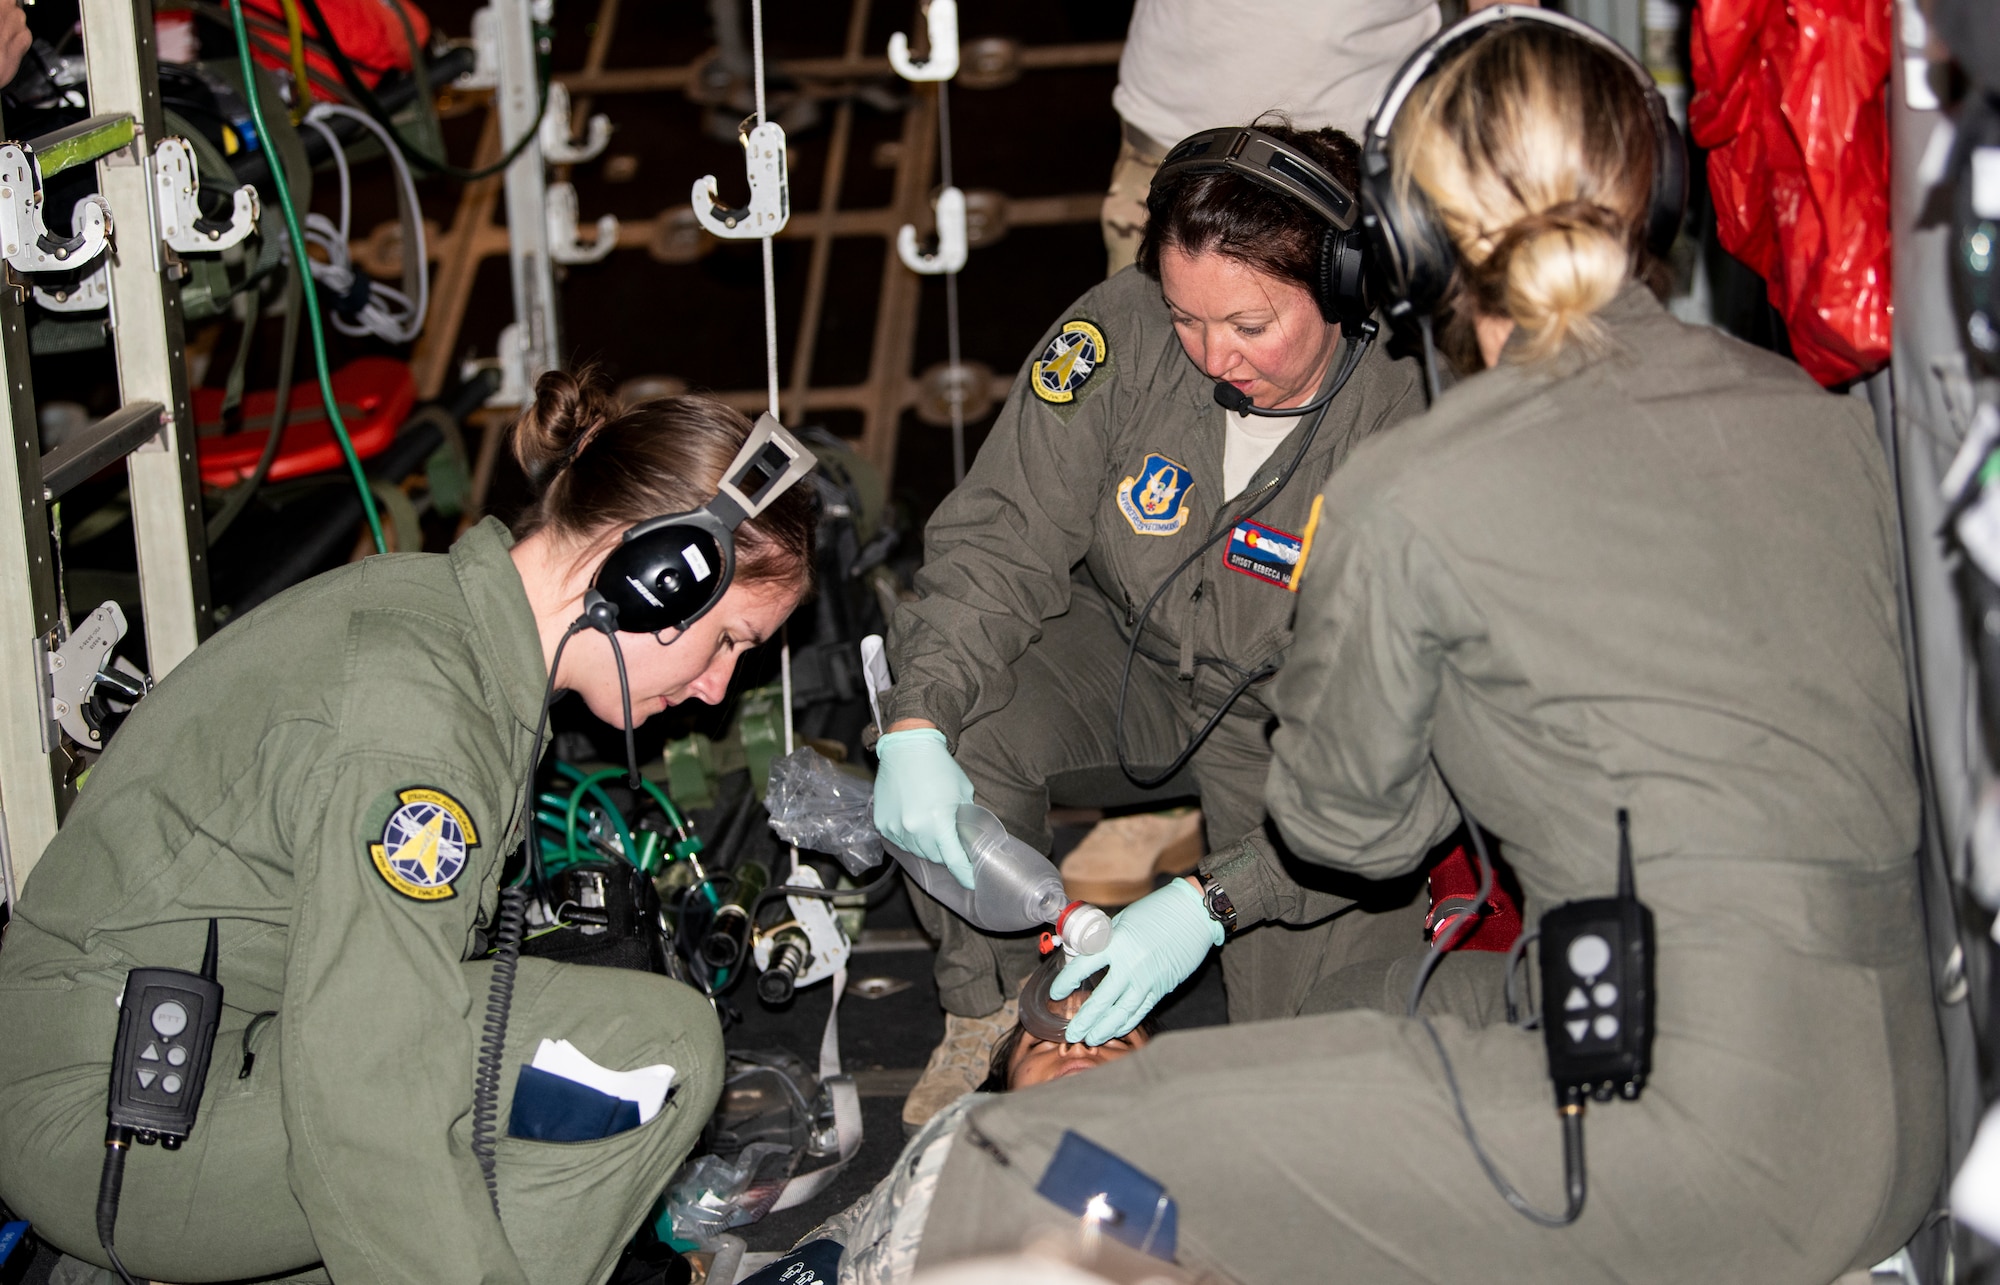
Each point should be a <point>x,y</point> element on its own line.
<point>670,571</point>
<point>1340,284</point>
<point>1410,245</point>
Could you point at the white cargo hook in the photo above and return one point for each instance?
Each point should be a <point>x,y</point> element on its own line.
<point>176,184</point>
<point>951,242</point>
<point>564,247</point>
<point>558,147</point>
<point>770,192</point>
<point>941,19</point>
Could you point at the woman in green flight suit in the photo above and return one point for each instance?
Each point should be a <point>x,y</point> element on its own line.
<point>265,784</point>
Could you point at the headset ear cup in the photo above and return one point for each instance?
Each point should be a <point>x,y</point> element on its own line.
<point>1326,278</point>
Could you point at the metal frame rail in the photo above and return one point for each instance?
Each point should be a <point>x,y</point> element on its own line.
<point>153,431</point>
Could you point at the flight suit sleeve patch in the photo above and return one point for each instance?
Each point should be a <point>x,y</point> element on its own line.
<point>426,844</point>
<point>1069,363</point>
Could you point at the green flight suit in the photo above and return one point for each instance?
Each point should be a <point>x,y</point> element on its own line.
<point>270,783</point>
<point>1102,473</point>
<point>1662,580</point>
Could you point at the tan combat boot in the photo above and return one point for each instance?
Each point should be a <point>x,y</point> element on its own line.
<point>1116,862</point>
<point>958,1064</point>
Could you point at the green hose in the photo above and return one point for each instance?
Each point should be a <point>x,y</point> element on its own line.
<point>312,296</point>
<point>585,786</point>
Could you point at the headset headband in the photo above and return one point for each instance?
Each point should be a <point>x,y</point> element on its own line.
<point>1414,252</point>
<point>1249,151</point>
<point>668,572</point>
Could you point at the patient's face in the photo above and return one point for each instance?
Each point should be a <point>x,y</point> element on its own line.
<point>1039,1061</point>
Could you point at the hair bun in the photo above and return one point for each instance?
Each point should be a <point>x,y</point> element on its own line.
<point>568,411</point>
<point>1552,270</point>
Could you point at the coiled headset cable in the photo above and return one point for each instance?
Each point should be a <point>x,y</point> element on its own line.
<point>1360,336</point>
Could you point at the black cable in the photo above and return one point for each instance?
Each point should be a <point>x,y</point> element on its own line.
<point>625,698</point>
<point>1432,390</point>
<point>1357,348</point>
<point>531,849</point>
<point>1514,954</point>
<point>493,1036</point>
<point>109,1183</point>
<point>1572,1111</point>
<point>373,106</point>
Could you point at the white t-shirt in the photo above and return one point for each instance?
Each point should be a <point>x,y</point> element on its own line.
<point>1247,442</point>
<point>1191,65</point>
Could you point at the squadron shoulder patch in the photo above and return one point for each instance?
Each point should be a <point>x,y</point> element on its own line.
<point>425,844</point>
<point>1076,353</point>
<point>1154,500</point>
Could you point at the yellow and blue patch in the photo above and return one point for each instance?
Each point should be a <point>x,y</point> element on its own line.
<point>425,844</point>
<point>1154,500</point>
<point>1077,352</point>
<point>1263,553</point>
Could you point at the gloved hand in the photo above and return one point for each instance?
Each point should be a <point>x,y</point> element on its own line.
<point>1156,943</point>
<point>918,790</point>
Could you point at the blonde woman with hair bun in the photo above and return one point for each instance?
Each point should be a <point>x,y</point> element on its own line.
<point>1628,567</point>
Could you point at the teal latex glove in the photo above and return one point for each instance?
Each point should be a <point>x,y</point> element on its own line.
<point>918,790</point>
<point>1156,943</point>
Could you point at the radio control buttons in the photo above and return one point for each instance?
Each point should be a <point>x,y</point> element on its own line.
<point>172,1083</point>
<point>146,1078</point>
<point>1589,955</point>
<point>152,1053</point>
<point>170,1019</point>
<point>177,1056</point>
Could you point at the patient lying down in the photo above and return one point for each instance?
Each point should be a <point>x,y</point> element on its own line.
<point>875,1239</point>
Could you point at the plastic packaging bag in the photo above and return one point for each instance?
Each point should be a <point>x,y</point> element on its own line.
<point>1789,100</point>
<point>816,806</point>
<point>713,1194</point>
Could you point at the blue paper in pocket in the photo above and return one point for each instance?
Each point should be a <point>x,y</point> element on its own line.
<point>548,1108</point>
<point>1126,1204</point>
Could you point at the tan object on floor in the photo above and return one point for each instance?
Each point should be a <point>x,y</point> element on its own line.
<point>958,1064</point>
<point>1117,861</point>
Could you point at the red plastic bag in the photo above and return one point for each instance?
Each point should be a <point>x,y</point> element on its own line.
<point>367,31</point>
<point>1789,100</point>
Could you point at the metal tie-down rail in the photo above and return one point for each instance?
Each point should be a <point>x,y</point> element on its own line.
<point>142,214</point>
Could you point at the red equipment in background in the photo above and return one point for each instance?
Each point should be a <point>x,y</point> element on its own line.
<point>368,32</point>
<point>1789,100</point>
<point>375,395</point>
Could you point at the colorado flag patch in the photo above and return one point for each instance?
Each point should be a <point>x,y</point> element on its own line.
<point>1263,552</point>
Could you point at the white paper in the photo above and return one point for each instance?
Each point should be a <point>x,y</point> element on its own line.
<point>646,1086</point>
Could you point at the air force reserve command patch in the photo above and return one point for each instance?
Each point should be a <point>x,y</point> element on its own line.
<point>1262,552</point>
<point>1066,365</point>
<point>425,844</point>
<point>1154,501</point>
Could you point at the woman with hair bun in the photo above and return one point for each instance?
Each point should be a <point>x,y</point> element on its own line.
<point>1630,580</point>
<point>336,782</point>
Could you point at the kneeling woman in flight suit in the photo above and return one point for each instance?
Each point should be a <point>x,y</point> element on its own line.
<point>270,783</point>
<point>1634,566</point>
<point>1111,466</point>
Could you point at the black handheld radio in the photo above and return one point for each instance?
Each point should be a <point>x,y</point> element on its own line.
<point>159,1065</point>
<point>1597,990</point>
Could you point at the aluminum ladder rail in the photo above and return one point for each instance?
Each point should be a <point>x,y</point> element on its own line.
<point>153,432</point>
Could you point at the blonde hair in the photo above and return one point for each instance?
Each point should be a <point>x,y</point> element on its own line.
<point>1537,151</point>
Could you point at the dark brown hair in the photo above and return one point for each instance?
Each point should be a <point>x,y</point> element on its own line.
<point>594,466</point>
<point>1258,226</point>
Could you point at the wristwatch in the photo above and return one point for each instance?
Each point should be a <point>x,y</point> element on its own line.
<point>1216,901</point>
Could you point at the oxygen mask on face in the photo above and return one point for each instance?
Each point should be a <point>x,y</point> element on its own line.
<point>1048,1019</point>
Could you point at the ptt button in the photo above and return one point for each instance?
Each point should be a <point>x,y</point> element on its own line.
<point>1576,999</point>
<point>1589,955</point>
<point>1604,993</point>
<point>1606,1027</point>
<point>172,1083</point>
<point>146,1078</point>
<point>176,1056</point>
<point>1577,1029</point>
<point>152,1053</point>
<point>170,1019</point>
